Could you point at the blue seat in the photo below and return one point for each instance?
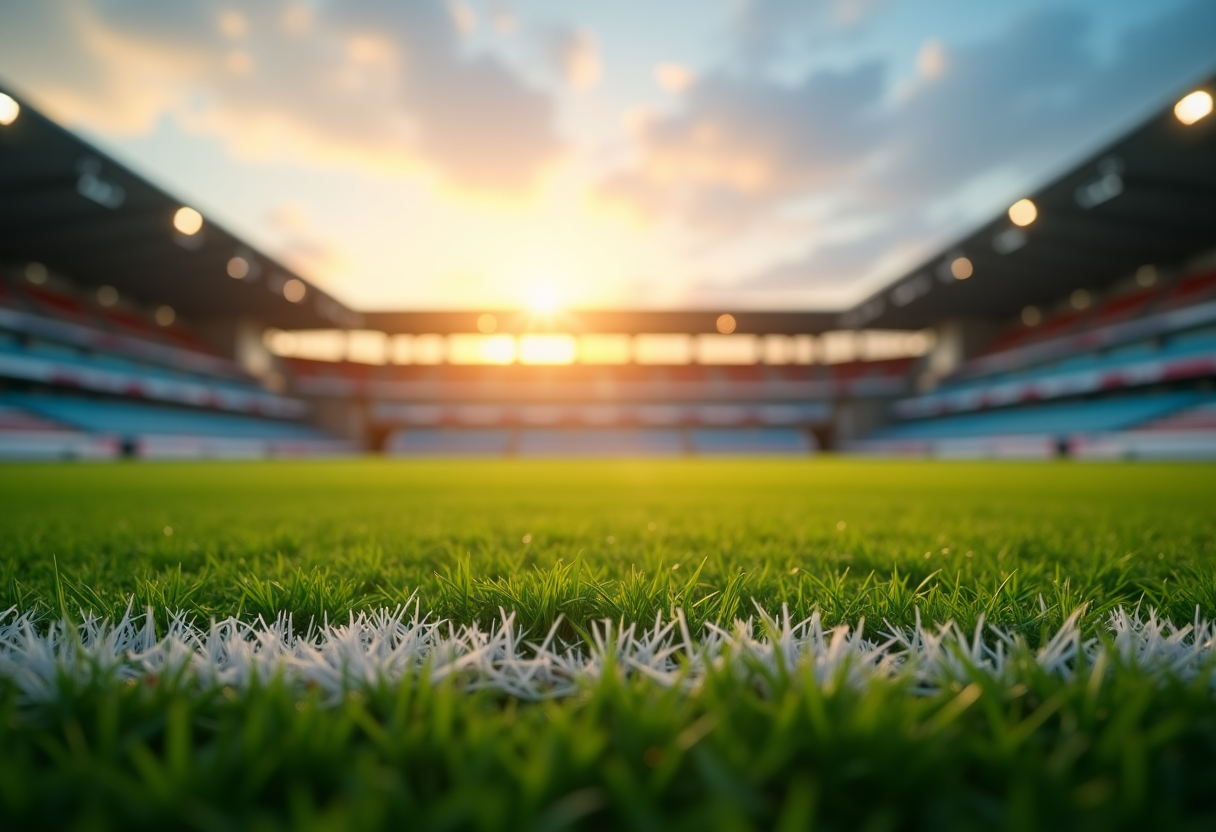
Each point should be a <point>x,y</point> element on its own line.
<point>1056,419</point>
<point>600,442</point>
<point>131,419</point>
<point>450,442</point>
<point>730,441</point>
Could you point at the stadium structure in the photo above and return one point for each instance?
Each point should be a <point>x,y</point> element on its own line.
<point>1082,322</point>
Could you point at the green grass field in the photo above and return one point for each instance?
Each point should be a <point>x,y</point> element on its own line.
<point>1023,546</point>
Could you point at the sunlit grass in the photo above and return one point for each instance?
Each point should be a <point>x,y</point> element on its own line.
<point>1021,545</point>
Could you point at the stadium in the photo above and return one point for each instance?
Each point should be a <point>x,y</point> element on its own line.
<point>1085,328</point>
<point>942,558</point>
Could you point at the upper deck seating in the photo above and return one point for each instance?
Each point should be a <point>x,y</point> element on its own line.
<point>1058,419</point>
<point>53,313</point>
<point>131,419</point>
<point>61,365</point>
<point>1195,288</point>
<point>1127,305</point>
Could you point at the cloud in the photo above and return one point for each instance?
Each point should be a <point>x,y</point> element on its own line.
<point>302,245</point>
<point>739,145</point>
<point>378,83</point>
<point>931,59</point>
<point>1026,99</point>
<point>673,77</point>
<point>763,31</point>
<point>574,54</point>
<point>289,217</point>
<point>910,170</point>
<point>463,16</point>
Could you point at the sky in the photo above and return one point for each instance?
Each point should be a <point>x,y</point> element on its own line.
<point>740,154</point>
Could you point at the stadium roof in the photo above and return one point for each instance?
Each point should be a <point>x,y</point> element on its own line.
<point>69,206</point>
<point>1149,198</point>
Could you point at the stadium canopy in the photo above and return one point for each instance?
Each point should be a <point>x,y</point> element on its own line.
<point>1147,199</point>
<point>71,207</point>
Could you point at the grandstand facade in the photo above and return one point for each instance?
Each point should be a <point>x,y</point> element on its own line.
<point>1129,375</point>
<point>131,325</point>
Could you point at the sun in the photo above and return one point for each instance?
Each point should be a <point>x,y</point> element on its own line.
<point>543,299</point>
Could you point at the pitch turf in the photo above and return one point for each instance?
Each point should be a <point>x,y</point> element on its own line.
<point>1122,745</point>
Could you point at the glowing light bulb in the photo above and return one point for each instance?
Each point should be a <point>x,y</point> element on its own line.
<point>9,109</point>
<point>238,268</point>
<point>1023,212</point>
<point>188,221</point>
<point>1193,107</point>
<point>294,290</point>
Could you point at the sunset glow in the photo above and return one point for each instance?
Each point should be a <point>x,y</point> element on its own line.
<point>543,299</point>
<point>547,349</point>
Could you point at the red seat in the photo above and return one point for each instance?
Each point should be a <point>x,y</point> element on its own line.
<point>58,304</point>
<point>132,323</point>
<point>1122,307</point>
<point>1191,290</point>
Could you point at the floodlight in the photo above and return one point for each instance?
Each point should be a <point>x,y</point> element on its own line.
<point>294,290</point>
<point>188,221</point>
<point>35,273</point>
<point>10,109</point>
<point>238,268</point>
<point>1023,212</point>
<point>1193,107</point>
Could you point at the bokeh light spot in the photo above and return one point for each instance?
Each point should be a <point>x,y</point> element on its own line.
<point>294,290</point>
<point>1023,212</point>
<point>1193,107</point>
<point>188,221</point>
<point>9,109</point>
<point>238,268</point>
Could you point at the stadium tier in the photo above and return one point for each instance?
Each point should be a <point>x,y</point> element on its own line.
<point>1110,286</point>
<point>1131,376</point>
<point>602,410</point>
<point>79,379</point>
